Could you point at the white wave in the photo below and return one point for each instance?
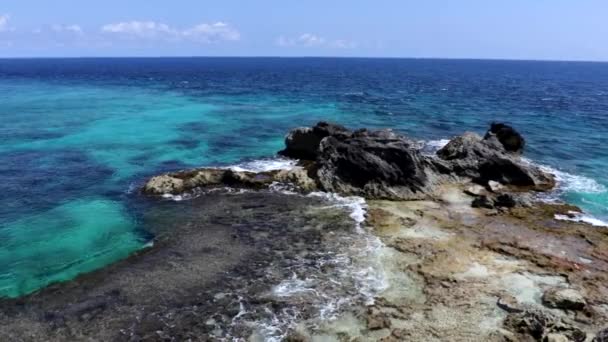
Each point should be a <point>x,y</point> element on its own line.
<point>293,286</point>
<point>356,205</point>
<point>580,217</point>
<point>372,277</point>
<point>262,165</point>
<point>568,182</point>
<point>430,147</point>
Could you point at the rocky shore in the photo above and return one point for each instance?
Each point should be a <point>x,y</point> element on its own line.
<point>467,251</point>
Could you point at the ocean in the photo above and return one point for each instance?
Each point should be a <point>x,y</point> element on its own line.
<point>79,136</point>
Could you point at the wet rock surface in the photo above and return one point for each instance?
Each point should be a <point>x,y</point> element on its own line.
<point>223,266</point>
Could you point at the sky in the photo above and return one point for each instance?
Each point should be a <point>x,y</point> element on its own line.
<point>508,29</point>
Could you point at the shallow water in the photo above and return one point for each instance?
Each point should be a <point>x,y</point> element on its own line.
<point>79,136</point>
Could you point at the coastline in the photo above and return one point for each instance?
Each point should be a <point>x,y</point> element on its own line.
<point>452,272</point>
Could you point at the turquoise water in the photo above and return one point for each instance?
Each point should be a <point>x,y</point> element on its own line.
<point>79,136</point>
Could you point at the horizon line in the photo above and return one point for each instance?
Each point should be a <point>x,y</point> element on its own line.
<point>310,57</point>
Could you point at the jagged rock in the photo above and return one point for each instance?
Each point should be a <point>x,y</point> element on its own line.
<point>374,164</point>
<point>164,184</point>
<point>567,299</point>
<point>183,181</point>
<point>485,160</point>
<point>539,325</point>
<point>601,336</point>
<point>303,142</point>
<point>377,320</point>
<point>509,138</point>
<point>483,202</point>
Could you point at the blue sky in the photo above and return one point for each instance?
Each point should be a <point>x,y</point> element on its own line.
<point>513,29</point>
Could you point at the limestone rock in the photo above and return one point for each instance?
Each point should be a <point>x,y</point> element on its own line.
<point>183,181</point>
<point>475,190</point>
<point>495,186</point>
<point>164,184</point>
<point>377,320</point>
<point>556,338</point>
<point>567,299</point>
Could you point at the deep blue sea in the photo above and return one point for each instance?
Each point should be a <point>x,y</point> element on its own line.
<point>78,136</point>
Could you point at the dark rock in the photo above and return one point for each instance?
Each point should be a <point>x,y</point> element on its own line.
<point>505,201</point>
<point>567,299</point>
<point>507,170</point>
<point>303,142</point>
<point>482,202</point>
<point>601,336</point>
<point>540,325</point>
<point>374,164</point>
<point>485,160</point>
<point>510,139</point>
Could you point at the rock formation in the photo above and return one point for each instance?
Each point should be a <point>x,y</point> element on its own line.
<point>379,165</point>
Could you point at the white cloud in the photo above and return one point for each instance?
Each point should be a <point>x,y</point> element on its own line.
<point>212,32</point>
<point>143,29</point>
<point>205,33</point>
<point>343,44</point>
<point>76,29</point>
<point>4,19</point>
<point>312,40</point>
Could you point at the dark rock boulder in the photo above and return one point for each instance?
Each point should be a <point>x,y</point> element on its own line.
<point>482,202</point>
<point>303,142</point>
<point>601,336</point>
<point>510,139</point>
<point>485,160</point>
<point>374,164</point>
<point>540,325</point>
<point>505,201</point>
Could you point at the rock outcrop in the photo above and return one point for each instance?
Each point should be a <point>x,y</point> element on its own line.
<point>374,164</point>
<point>486,159</point>
<point>304,142</point>
<point>379,165</point>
